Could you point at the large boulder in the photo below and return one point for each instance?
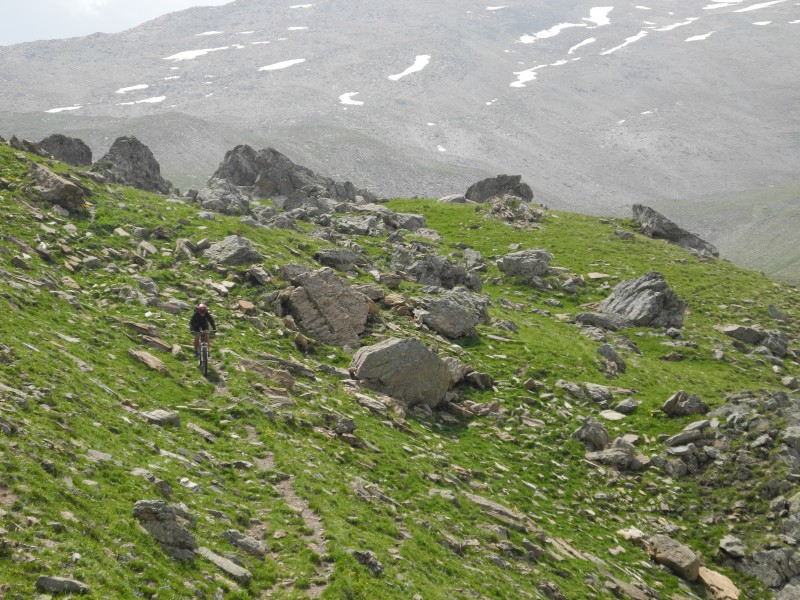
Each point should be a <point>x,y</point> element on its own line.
<point>404,369</point>
<point>528,264</point>
<point>646,301</point>
<point>233,250</point>
<point>456,313</point>
<point>497,186</point>
<point>222,196</point>
<point>271,173</point>
<point>773,568</point>
<point>656,225</point>
<point>674,555</point>
<point>593,434</point>
<point>67,149</point>
<point>683,404</point>
<point>130,162</point>
<point>56,189</point>
<point>325,307</point>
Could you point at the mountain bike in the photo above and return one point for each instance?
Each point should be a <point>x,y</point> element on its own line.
<point>203,354</point>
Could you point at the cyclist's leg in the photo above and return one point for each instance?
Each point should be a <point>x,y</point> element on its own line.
<point>196,335</point>
<point>206,335</point>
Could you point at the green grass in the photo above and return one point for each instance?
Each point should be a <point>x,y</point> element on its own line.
<point>538,471</point>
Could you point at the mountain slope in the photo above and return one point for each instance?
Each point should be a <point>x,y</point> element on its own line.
<point>598,107</point>
<point>341,491</point>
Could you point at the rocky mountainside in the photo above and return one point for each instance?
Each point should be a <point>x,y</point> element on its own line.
<point>597,107</point>
<point>407,398</point>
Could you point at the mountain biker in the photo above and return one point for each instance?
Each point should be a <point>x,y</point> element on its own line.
<point>200,322</point>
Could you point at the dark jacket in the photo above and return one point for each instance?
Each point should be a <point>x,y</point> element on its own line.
<point>202,322</point>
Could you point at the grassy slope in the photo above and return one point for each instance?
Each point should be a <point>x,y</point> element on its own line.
<point>537,470</point>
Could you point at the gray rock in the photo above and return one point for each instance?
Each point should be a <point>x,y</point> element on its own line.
<point>528,264</point>
<point>360,225</point>
<point>56,189</point>
<point>165,523</point>
<point>627,406</point>
<point>369,560</point>
<point>749,335</point>
<point>67,150</point>
<point>434,269</point>
<point>497,186</point>
<point>683,404</point>
<point>791,436</point>
<point>221,196</point>
<point>670,553</point>
<point>610,353</point>
<point>453,199</point>
<point>326,308</point>
<point>163,418</point>
<point>773,567</point>
<point>233,250</point>
<point>270,173</point>
<point>609,322</point>
<point>409,221</point>
<point>598,393</point>
<point>456,313</point>
<point>341,259</point>
<point>130,162</point>
<point>732,546</point>
<point>246,543</point>
<point>619,455</point>
<point>593,434</point>
<point>230,568</point>
<point>62,585</point>
<point>777,314</point>
<point>404,369</point>
<point>646,301</point>
<point>656,225</point>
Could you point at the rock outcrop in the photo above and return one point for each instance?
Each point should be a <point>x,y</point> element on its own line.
<point>72,151</point>
<point>166,523</point>
<point>130,162</point>
<point>528,264</point>
<point>656,225</point>
<point>269,173</point>
<point>325,307</point>
<point>404,369</point>
<point>497,186</point>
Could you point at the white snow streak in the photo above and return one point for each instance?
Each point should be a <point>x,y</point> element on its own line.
<point>348,99</point>
<point>209,33</point>
<point>527,75</point>
<point>62,109</point>
<point>441,148</point>
<point>420,63</point>
<point>141,86</point>
<point>495,7</point>
<point>762,23</point>
<point>583,43</point>
<point>630,40</point>
<point>172,77</point>
<point>697,38</point>
<point>192,54</point>
<point>548,33</point>
<point>759,6</point>
<point>301,5</point>
<point>282,65</point>
<point>688,21</point>
<point>152,100</point>
<point>297,28</point>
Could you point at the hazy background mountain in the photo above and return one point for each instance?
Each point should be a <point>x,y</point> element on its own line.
<point>688,107</point>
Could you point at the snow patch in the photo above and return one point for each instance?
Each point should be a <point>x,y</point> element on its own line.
<point>282,65</point>
<point>192,54</point>
<point>441,149</point>
<point>209,33</point>
<point>246,32</point>
<point>698,38</point>
<point>548,33</point>
<point>348,99</point>
<point>64,108</point>
<point>420,63</point>
<point>301,5</point>
<point>495,7</point>
<point>599,15</point>
<point>762,22</point>
<point>172,77</point>
<point>257,43</point>
<point>141,86</point>
<point>297,28</point>
<point>527,75</point>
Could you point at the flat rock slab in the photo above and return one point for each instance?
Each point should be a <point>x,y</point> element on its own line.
<point>62,585</point>
<point>670,553</point>
<point>149,360</point>
<point>162,417</point>
<point>612,415</point>
<point>230,568</point>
